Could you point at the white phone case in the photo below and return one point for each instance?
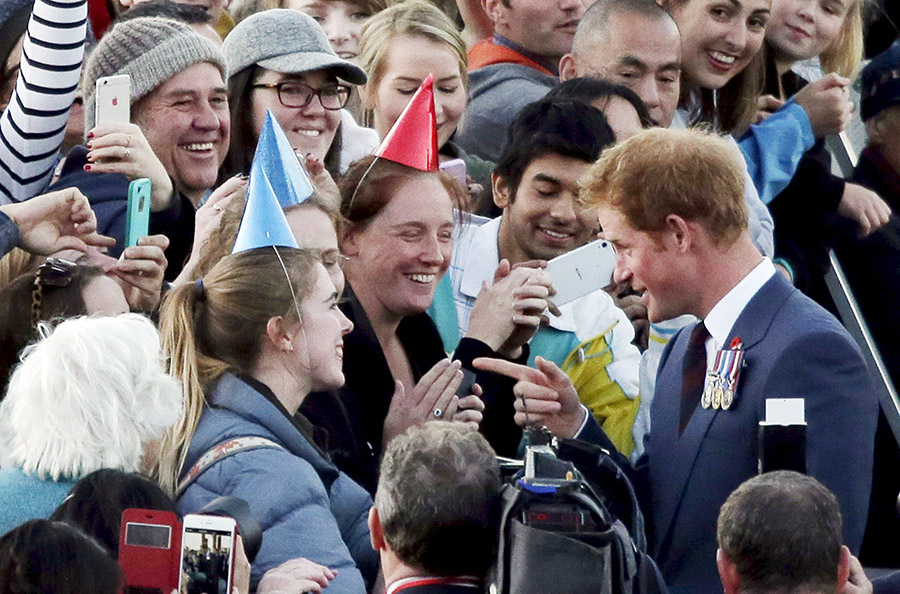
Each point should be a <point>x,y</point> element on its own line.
<point>205,541</point>
<point>582,271</point>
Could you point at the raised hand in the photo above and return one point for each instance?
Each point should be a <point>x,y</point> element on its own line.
<point>432,398</point>
<point>140,271</point>
<point>56,221</point>
<point>827,103</point>
<point>122,148</point>
<point>544,395</point>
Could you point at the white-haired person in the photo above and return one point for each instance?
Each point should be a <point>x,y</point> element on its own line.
<point>93,393</point>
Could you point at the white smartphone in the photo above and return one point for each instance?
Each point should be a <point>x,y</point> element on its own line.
<point>456,168</point>
<point>112,100</point>
<point>207,554</point>
<point>582,271</point>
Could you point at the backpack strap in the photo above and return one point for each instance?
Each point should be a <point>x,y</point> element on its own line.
<point>220,451</point>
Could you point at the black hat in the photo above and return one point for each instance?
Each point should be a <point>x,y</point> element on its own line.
<point>881,82</point>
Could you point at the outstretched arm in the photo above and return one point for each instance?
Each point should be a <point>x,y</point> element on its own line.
<point>33,126</point>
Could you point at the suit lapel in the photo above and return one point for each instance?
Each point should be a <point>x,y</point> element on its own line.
<point>680,453</point>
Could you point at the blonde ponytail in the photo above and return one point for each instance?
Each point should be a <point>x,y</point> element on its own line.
<point>215,325</point>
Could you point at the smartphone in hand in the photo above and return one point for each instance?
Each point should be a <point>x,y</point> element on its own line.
<point>137,223</point>
<point>207,554</point>
<point>582,271</point>
<point>112,100</point>
<point>149,549</point>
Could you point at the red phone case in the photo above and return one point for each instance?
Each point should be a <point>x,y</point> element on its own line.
<point>150,566</point>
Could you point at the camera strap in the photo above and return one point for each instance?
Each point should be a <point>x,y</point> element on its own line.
<point>220,451</point>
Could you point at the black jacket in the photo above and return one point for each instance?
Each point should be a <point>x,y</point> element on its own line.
<point>353,417</point>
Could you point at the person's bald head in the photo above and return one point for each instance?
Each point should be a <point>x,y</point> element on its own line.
<point>634,43</point>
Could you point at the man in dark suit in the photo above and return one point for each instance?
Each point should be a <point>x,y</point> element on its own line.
<point>431,518</point>
<point>671,203</point>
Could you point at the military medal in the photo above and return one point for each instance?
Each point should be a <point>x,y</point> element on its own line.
<point>725,376</point>
<point>727,399</point>
<point>734,360</point>
<point>706,398</point>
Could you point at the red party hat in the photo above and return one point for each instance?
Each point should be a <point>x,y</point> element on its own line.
<point>412,140</point>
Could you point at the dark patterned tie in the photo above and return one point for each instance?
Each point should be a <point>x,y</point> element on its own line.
<point>693,374</point>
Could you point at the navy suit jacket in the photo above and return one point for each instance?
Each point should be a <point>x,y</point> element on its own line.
<point>793,349</point>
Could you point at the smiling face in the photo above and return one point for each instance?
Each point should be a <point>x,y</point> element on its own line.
<point>542,27</point>
<point>342,22</point>
<point>648,264</point>
<point>398,258</point>
<point>321,338</point>
<point>544,219</point>
<point>409,61</point>
<point>187,123</point>
<point>719,38</point>
<point>309,129</point>
<point>801,29</point>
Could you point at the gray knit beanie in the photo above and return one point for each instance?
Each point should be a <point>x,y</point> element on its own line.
<point>151,50</point>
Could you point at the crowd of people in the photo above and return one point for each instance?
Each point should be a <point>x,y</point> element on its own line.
<point>343,310</point>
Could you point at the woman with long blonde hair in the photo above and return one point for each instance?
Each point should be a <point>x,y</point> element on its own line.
<point>249,341</point>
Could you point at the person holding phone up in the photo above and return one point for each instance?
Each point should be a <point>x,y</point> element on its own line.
<point>177,137</point>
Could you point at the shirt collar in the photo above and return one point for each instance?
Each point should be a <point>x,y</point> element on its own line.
<point>548,64</point>
<point>482,258</point>
<point>721,318</point>
<point>410,582</point>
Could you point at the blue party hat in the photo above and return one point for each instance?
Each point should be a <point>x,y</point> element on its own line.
<point>263,224</point>
<point>276,156</point>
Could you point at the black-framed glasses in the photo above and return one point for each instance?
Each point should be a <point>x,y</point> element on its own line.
<point>296,94</point>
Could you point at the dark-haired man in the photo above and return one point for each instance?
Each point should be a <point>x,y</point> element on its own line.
<point>431,519</point>
<point>781,532</point>
<point>551,144</point>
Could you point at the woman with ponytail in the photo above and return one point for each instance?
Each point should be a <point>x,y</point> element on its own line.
<point>249,341</point>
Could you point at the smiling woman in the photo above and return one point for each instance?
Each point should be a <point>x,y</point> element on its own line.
<point>280,60</point>
<point>249,342</point>
<point>721,67</point>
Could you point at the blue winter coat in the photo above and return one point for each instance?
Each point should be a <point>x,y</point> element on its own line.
<point>306,507</point>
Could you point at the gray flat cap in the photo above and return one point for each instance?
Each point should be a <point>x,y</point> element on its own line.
<point>285,41</point>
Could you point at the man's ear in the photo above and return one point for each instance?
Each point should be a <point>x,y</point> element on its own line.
<point>501,191</point>
<point>843,569</point>
<point>376,533</point>
<point>728,575</point>
<point>350,241</point>
<point>494,10</point>
<point>568,67</point>
<point>876,129</point>
<point>680,232</point>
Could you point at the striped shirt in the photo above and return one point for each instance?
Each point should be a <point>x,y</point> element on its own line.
<point>34,124</point>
